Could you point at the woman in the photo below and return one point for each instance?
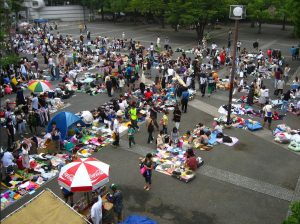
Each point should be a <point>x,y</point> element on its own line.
<point>148,164</point>
<point>177,116</point>
<point>25,156</point>
<point>262,98</point>
<point>150,129</point>
<point>204,138</point>
<point>250,95</point>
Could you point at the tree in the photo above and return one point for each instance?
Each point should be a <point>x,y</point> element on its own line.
<point>294,218</point>
<point>196,13</point>
<point>258,10</point>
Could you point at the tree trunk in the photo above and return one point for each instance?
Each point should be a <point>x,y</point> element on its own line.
<point>134,15</point>
<point>102,13</point>
<point>163,19</point>
<point>252,24</point>
<point>283,22</point>
<point>200,30</point>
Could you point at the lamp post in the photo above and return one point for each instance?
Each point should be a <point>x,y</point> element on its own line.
<point>237,12</point>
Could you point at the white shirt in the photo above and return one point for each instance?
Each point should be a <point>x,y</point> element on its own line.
<point>158,40</point>
<point>280,84</point>
<point>213,46</point>
<point>267,109</point>
<point>7,159</point>
<point>121,83</point>
<point>116,126</point>
<point>35,103</point>
<point>96,211</point>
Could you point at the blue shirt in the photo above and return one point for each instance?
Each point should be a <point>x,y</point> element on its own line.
<point>185,95</point>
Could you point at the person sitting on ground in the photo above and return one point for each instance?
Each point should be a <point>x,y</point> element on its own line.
<point>191,159</point>
<point>160,139</point>
<point>204,138</point>
<point>174,138</point>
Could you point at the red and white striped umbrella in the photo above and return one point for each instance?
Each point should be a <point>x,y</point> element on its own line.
<point>84,174</point>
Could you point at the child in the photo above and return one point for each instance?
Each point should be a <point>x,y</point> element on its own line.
<point>131,132</point>
<point>165,121</point>
<point>174,136</point>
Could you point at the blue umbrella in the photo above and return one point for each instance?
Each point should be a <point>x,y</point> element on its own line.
<point>64,120</point>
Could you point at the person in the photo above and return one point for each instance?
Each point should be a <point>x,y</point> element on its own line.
<point>133,116</point>
<point>165,121</point>
<point>25,156</point>
<point>32,122</point>
<point>153,115</point>
<point>280,86</point>
<point>174,138</point>
<point>108,84</point>
<point>293,52</point>
<point>238,46</point>
<point>262,96</point>
<point>20,99</point>
<point>148,164</point>
<point>131,132</point>
<point>204,138</point>
<point>184,100</point>
<point>255,45</point>
<point>116,131</point>
<point>96,211</point>
<point>191,159</point>
<point>210,81</point>
<point>8,161</point>
<point>250,95</point>
<point>267,111</point>
<point>121,84</point>
<point>34,102</point>
<point>67,195</point>
<point>286,72</point>
<point>10,132</point>
<point>55,135</point>
<point>150,129</point>
<point>148,95</point>
<point>203,83</point>
<point>177,116</point>
<point>285,101</point>
<point>117,200</point>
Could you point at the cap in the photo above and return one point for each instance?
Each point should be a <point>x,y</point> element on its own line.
<point>113,187</point>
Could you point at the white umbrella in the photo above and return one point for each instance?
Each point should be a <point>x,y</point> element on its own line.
<point>85,174</point>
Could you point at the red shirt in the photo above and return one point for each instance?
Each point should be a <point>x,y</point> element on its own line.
<point>148,95</point>
<point>192,163</point>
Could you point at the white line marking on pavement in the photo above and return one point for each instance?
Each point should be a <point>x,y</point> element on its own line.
<point>248,183</point>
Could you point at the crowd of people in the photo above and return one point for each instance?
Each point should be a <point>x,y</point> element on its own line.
<point>123,67</point>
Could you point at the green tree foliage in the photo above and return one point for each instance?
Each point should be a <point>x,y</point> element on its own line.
<point>258,11</point>
<point>294,218</point>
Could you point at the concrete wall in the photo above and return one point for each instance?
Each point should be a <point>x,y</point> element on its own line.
<point>63,13</point>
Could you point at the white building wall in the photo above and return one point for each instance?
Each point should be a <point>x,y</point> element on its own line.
<point>62,13</point>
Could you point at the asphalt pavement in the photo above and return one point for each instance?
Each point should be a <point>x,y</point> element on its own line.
<point>251,182</point>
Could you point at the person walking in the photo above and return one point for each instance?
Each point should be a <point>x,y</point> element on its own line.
<point>184,100</point>
<point>280,86</point>
<point>153,115</point>
<point>147,166</point>
<point>150,129</point>
<point>203,83</point>
<point>177,116</point>
<point>131,132</point>
<point>133,116</point>
<point>286,73</point>
<point>211,82</point>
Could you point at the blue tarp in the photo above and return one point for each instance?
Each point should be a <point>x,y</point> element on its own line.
<point>64,120</point>
<point>41,20</point>
<point>136,219</point>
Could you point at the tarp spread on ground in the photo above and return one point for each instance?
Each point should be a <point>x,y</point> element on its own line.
<point>136,219</point>
<point>45,208</point>
<point>44,168</point>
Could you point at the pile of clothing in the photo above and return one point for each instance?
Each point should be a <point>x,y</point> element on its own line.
<point>283,134</point>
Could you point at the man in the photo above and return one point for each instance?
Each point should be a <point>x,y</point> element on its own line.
<point>158,42</point>
<point>133,116</point>
<point>184,100</point>
<point>238,46</point>
<point>293,52</point>
<point>117,200</point>
<point>255,45</point>
<point>167,43</point>
<point>203,83</point>
<point>96,211</point>
<point>280,86</point>
<point>10,132</point>
<point>116,130</point>
<point>267,110</point>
